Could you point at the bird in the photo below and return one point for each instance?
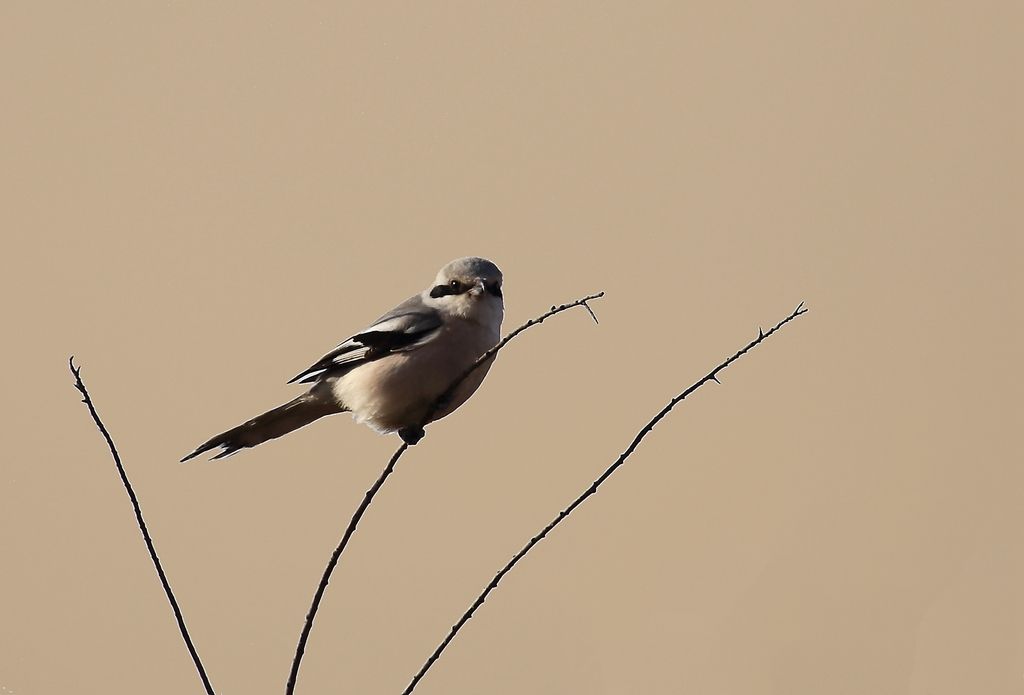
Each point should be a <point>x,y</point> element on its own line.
<point>391,374</point>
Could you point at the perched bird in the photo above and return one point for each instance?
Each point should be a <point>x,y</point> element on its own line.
<point>390,374</point>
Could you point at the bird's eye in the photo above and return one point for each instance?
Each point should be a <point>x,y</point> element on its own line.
<point>454,284</point>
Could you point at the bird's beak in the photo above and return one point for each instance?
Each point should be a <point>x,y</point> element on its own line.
<point>479,288</point>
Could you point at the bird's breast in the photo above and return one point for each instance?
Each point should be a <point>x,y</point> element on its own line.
<point>397,390</point>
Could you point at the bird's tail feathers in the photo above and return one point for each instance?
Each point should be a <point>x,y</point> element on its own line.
<point>270,425</point>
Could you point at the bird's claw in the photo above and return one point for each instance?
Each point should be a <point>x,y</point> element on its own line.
<point>411,435</point>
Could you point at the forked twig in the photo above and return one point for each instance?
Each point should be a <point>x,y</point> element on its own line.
<point>80,385</point>
<point>711,376</point>
<point>368,498</point>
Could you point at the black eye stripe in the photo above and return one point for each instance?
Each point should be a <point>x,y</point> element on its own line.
<point>453,287</point>
<point>456,287</point>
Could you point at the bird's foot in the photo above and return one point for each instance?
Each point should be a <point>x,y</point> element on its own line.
<point>411,435</point>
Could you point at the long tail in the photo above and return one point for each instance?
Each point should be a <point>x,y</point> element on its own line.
<point>271,424</point>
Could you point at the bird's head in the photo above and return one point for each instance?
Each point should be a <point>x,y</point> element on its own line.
<point>469,288</point>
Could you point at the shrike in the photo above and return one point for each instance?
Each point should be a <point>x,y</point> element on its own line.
<point>390,374</point>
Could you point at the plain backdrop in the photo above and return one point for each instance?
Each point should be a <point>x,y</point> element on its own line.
<point>199,199</point>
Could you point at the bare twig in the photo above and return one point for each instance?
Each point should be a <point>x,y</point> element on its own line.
<point>711,376</point>
<point>368,498</point>
<point>80,385</point>
<point>335,556</point>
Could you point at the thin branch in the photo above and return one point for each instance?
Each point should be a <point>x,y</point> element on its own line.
<point>710,376</point>
<point>80,385</point>
<point>335,556</point>
<point>368,498</point>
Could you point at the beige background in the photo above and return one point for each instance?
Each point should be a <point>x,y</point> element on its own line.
<point>199,200</point>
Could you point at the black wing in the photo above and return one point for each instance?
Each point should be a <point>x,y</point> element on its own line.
<point>406,327</point>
